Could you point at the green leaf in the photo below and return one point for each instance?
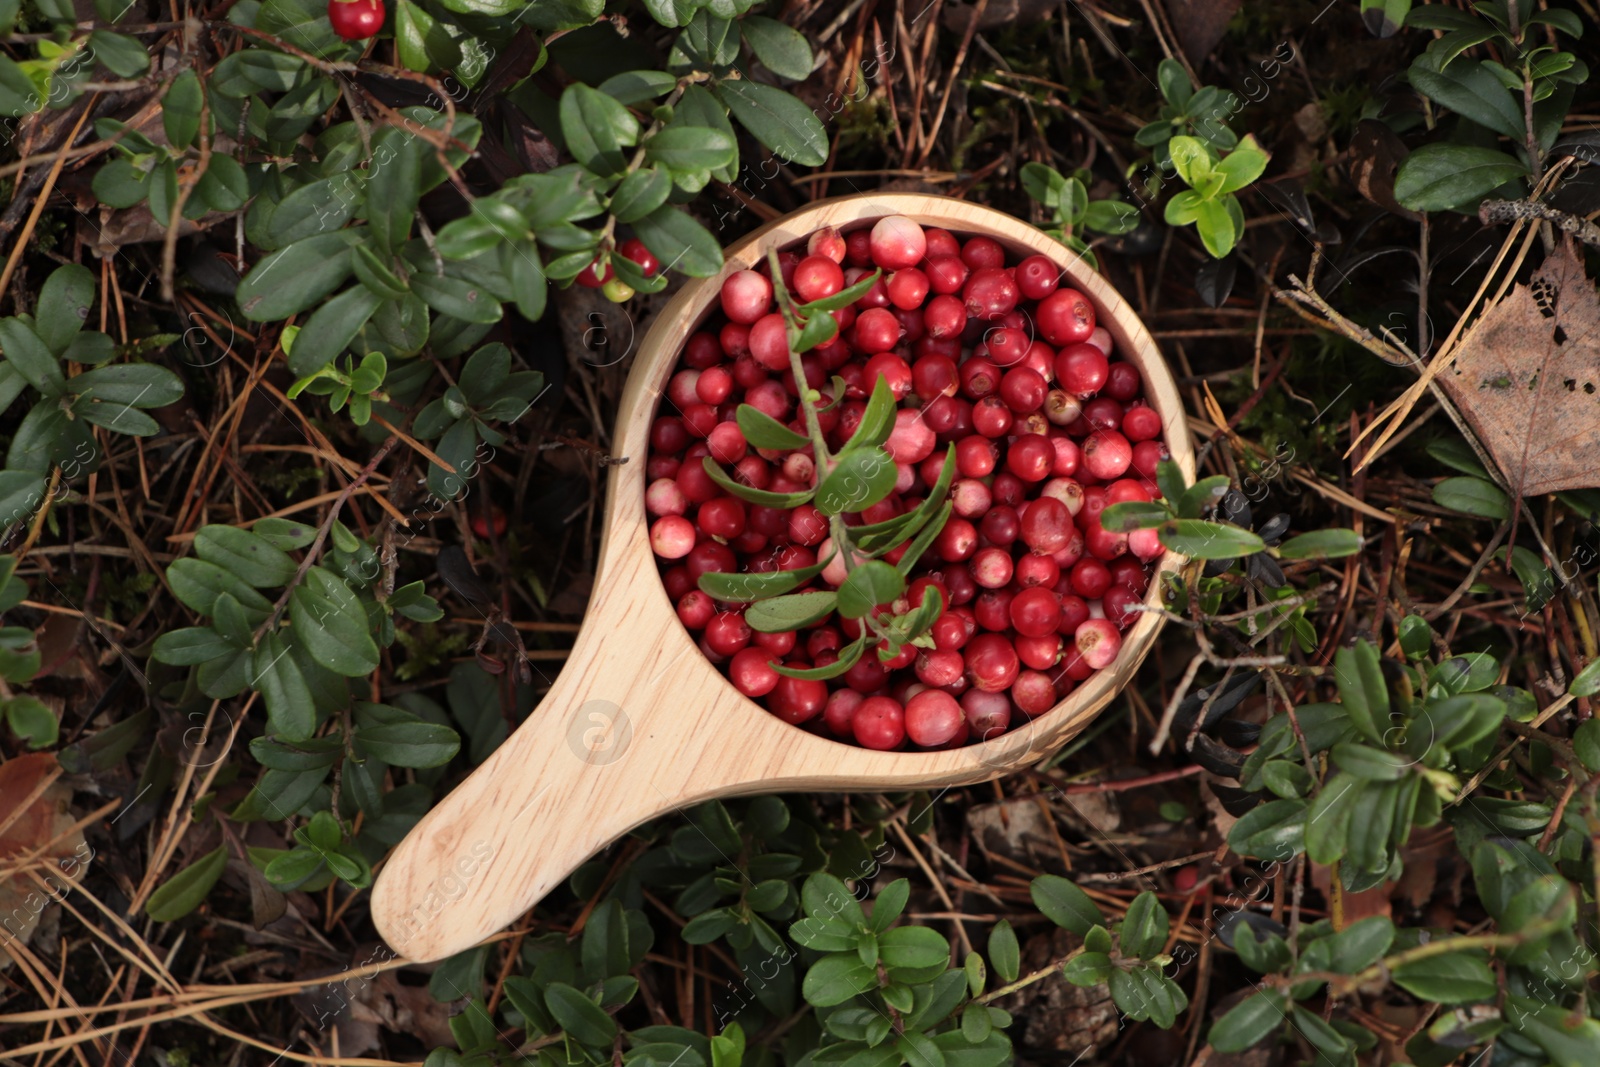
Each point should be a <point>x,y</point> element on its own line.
<point>190,645</point>
<point>877,419</point>
<point>1438,177</point>
<point>180,109</point>
<point>291,713</point>
<point>1370,764</point>
<point>64,303</point>
<point>778,120</point>
<point>1183,208</point>
<point>224,186</point>
<point>32,358</point>
<point>1384,18</point>
<point>836,978</point>
<point>246,555</point>
<point>579,1016</point>
<point>409,744</point>
<point>912,947</point>
<point>781,49</point>
<point>1133,515</point>
<point>744,587</point>
<point>1362,690</point>
<point>1144,930</point>
<point>32,721</point>
<point>763,431</point>
<point>637,86</point>
<point>394,184</point>
<point>640,193</point>
<point>1175,83</point>
<point>121,184</point>
<point>859,479</point>
<point>317,208</point>
<point>1243,165</point>
<point>331,625</point>
<point>1457,978</point>
<point>1334,1046</point>
<point>331,329</point>
<point>423,41</point>
<point>284,533</point>
<point>1089,969</point>
<point>197,584</point>
<point>1586,742</point>
<point>1064,904</point>
<point>1474,496</point>
<point>781,614</point>
<point>848,656</point>
<point>596,127</point>
<point>1199,539</point>
<point>1112,217</point>
<point>1587,681</point>
<point>295,278</point>
<point>1216,225</point>
<point>1005,956</point>
<point>457,297</point>
<point>1538,584</point>
<point>867,586</point>
<point>1468,88</point>
<point>1360,945</point>
<point>1250,1021</point>
<point>1567,1037</point>
<point>1273,831</point>
<point>182,893</point>
<point>1416,636</point>
<point>679,242</point>
<point>120,54</point>
<point>1191,160</point>
<point>844,297</point>
<point>688,149</point>
<point>1321,544</point>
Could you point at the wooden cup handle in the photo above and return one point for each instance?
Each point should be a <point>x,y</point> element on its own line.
<point>573,777</point>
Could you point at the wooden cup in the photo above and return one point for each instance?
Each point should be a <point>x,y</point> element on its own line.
<point>639,723</point>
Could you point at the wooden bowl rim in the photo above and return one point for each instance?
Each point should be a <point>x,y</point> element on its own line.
<point>687,309</point>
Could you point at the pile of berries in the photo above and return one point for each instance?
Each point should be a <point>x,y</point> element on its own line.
<point>1001,361</point>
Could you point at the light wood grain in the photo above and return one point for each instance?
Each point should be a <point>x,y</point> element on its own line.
<point>638,723</point>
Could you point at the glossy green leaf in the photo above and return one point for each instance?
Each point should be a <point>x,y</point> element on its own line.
<point>180,109</point>
<point>859,479</point>
<point>63,307</point>
<point>780,614</point>
<point>867,586</point>
<point>778,120</point>
<point>679,242</point>
<point>1438,177</point>
<point>781,49</point>
<point>1064,904</point>
<point>295,278</point>
<point>182,893</point>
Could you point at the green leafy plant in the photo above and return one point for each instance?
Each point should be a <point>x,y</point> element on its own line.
<point>56,431</point>
<point>1523,95</point>
<point>1211,202</point>
<point>1073,211</point>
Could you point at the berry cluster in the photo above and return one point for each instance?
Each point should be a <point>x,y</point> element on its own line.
<point>996,371</point>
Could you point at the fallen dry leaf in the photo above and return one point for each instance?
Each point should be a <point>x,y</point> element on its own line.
<point>1527,377</point>
<point>359,1008</point>
<point>1200,24</point>
<point>35,817</point>
<point>1375,153</point>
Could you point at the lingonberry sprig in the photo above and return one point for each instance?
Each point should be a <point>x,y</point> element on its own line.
<point>860,475</point>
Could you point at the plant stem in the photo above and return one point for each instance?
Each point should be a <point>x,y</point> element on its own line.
<point>1028,980</point>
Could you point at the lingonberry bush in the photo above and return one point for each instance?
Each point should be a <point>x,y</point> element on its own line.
<point>301,457</point>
